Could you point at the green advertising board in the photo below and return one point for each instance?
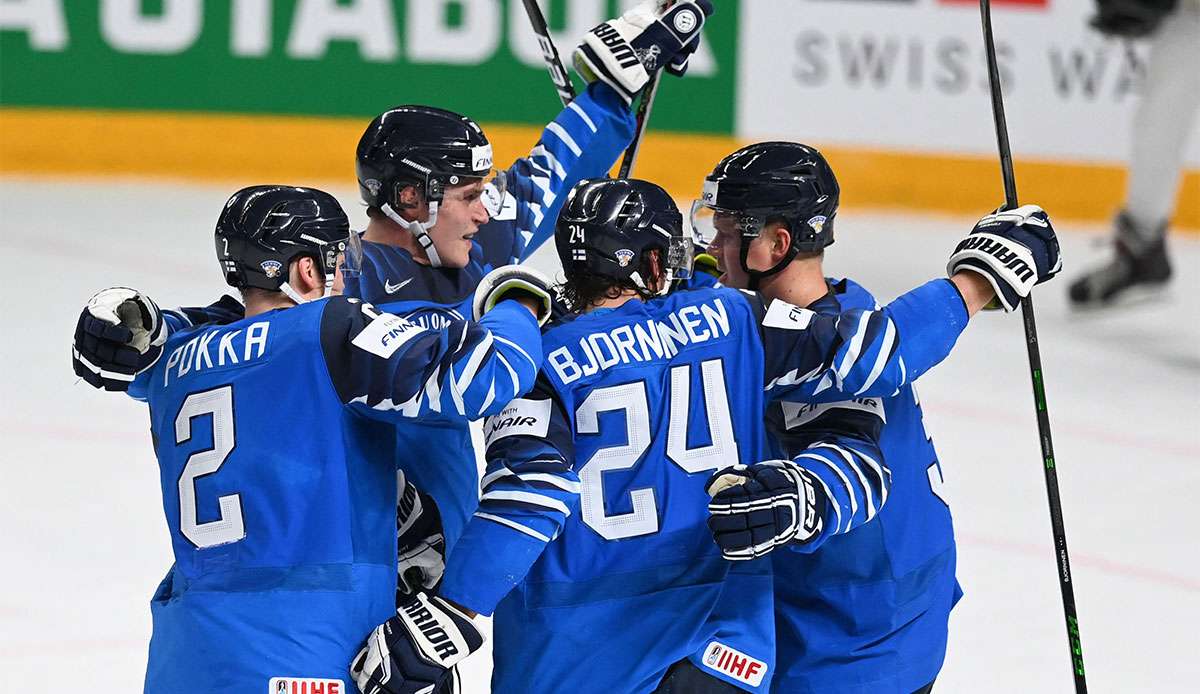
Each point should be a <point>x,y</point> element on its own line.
<point>325,58</point>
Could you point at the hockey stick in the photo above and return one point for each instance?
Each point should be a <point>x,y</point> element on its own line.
<point>554,64</point>
<point>1035,369</point>
<point>642,115</point>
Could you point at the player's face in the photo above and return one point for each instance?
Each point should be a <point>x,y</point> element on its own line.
<point>460,215</point>
<point>726,248</point>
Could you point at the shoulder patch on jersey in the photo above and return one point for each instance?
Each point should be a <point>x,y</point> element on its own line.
<point>385,334</point>
<point>797,414</point>
<point>733,663</point>
<point>521,417</point>
<point>781,314</point>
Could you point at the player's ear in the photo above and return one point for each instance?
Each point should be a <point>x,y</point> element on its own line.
<point>304,275</point>
<point>781,241</point>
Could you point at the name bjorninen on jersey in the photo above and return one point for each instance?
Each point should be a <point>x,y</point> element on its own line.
<point>641,342</point>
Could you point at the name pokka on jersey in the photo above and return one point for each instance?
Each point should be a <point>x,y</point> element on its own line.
<point>200,354</point>
<point>641,342</point>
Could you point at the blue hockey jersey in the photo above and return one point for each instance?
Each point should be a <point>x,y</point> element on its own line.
<point>868,612</point>
<point>582,142</point>
<point>275,437</point>
<point>590,542</point>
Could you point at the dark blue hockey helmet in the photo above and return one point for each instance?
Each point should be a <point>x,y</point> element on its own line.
<point>264,228</point>
<point>764,183</point>
<point>427,148</point>
<point>626,230</point>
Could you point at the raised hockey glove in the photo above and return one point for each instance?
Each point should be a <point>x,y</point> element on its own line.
<point>420,545</point>
<point>755,509</point>
<point>511,282</point>
<point>415,651</point>
<point>1013,250</point>
<point>624,52</point>
<point>120,333</point>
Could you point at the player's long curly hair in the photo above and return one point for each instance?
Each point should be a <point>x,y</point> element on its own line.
<point>583,290</point>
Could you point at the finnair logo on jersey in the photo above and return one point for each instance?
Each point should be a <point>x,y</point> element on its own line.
<point>200,354</point>
<point>305,685</point>
<point>734,664</point>
<point>796,415</point>
<point>521,417</point>
<point>386,334</point>
<point>641,342</point>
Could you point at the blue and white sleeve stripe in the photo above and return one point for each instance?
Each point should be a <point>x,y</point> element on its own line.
<point>858,353</point>
<point>583,141</point>
<point>855,481</point>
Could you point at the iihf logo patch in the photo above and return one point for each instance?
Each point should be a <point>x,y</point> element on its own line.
<point>305,685</point>
<point>817,223</point>
<point>734,664</point>
<point>624,257</point>
<point>271,268</point>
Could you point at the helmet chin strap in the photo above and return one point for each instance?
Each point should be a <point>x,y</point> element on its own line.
<point>419,229</point>
<point>756,276</point>
<point>294,295</point>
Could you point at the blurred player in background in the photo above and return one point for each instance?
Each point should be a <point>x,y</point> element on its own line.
<point>275,440</point>
<point>867,610</point>
<point>591,541</point>
<point>1164,119</point>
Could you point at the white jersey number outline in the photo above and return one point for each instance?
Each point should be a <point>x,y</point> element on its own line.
<point>630,398</point>
<point>229,527</point>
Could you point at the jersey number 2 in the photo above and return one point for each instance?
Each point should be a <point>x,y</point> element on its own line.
<point>217,403</point>
<point>631,398</point>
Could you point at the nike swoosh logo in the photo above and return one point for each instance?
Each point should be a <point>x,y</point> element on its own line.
<point>393,288</point>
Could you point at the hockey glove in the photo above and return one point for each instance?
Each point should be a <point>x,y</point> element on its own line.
<point>415,651</point>
<point>624,52</point>
<point>119,334</point>
<point>1013,250</point>
<point>511,282</point>
<point>420,546</point>
<point>758,508</point>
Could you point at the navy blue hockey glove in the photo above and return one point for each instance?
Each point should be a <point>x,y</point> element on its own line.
<point>624,52</point>
<point>415,651</point>
<point>511,282</point>
<point>420,545</point>
<point>120,333</point>
<point>1013,250</point>
<point>755,509</point>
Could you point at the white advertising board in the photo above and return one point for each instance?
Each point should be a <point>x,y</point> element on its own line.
<point>910,75</point>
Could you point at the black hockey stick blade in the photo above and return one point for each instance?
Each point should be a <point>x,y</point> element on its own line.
<point>1035,371</point>
<point>554,64</point>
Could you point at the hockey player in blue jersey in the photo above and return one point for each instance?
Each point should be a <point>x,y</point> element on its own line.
<point>590,543</point>
<point>866,611</point>
<point>441,218</point>
<point>437,225</point>
<point>275,440</point>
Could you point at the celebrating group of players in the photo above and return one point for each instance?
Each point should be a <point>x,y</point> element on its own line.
<point>692,485</point>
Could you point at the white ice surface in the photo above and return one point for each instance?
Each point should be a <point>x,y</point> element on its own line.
<point>84,543</point>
